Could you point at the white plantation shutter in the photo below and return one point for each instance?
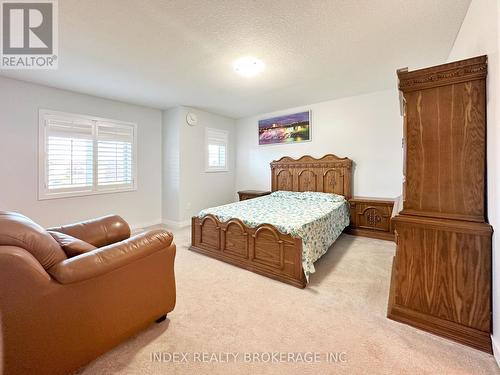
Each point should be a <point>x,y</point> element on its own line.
<point>114,155</point>
<point>69,155</point>
<point>216,143</point>
<point>82,155</point>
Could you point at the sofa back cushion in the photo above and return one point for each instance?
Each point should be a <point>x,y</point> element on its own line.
<point>18,230</point>
<point>72,246</point>
<point>99,232</point>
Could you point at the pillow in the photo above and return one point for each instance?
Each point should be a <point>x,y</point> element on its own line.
<point>330,197</point>
<point>72,246</point>
<point>309,195</point>
<point>286,194</point>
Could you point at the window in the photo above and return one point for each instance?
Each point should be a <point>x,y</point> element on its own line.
<point>216,150</point>
<point>82,155</point>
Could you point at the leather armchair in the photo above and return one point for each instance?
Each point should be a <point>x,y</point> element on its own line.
<point>58,313</point>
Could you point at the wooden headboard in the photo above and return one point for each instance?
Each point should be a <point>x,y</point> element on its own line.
<point>329,174</point>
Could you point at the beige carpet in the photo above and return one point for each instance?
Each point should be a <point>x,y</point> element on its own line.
<point>221,309</point>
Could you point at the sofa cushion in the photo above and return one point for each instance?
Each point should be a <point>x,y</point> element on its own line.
<point>72,246</point>
<point>99,232</point>
<point>18,230</point>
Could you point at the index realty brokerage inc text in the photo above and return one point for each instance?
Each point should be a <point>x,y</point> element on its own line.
<point>249,357</point>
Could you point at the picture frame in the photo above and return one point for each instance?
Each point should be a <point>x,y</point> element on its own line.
<point>285,129</point>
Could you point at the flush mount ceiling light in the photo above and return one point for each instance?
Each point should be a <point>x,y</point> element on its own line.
<point>248,66</point>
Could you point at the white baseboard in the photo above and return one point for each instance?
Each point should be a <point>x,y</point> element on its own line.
<point>176,224</point>
<point>496,350</point>
<point>135,227</point>
<point>168,223</point>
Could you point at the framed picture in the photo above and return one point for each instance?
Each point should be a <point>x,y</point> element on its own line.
<point>285,129</point>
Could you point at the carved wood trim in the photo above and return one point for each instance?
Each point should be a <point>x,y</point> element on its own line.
<point>315,179</point>
<point>445,74</point>
<point>371,217</point>
<point>328,158</point>
<point>340,168</point>
<point>217,228</point>
<point>225,237</point>
<point>235,221</point>
<point>267,246</point>
<point>285,267</point>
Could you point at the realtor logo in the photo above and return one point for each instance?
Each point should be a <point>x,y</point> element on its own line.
<point>29,34</point>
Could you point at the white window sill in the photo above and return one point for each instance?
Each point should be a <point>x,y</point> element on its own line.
<point>216,170</point>
<point>59,195</point>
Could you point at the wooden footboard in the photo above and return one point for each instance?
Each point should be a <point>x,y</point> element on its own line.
<point>263,250</point>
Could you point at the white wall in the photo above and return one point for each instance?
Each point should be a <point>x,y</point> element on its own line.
<point>192,187</point>
<point>19,105</point>
<point>366,128</point>
<point>479,35</point>
<point>171,176</point>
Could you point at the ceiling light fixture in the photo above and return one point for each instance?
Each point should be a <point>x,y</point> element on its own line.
<point>248,66</point>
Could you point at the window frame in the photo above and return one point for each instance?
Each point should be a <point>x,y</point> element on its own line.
<point>44,193</point>
<point>225,142</point>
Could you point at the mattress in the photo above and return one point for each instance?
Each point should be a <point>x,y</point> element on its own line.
<point>317,218</point>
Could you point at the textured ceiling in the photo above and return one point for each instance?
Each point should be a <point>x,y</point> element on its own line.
<point>165,53</point>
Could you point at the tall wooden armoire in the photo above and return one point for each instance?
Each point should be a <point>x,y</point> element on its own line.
<point>441,275</point>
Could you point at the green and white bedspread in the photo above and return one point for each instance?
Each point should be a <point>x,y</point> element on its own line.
<point>317,218</point>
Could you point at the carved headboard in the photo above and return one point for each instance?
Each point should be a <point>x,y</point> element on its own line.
<point>329,174</point>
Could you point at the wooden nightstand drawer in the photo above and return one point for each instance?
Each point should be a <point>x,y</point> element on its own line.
<point>371,217</point>
<point>249,194</point>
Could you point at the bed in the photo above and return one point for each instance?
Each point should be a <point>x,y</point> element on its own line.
<point>281,235</point>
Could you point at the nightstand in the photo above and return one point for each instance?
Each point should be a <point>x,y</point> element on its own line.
<point>249,194</point>
<point>371,217</point>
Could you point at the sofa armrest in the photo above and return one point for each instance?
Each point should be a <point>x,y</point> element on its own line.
<point>17,266</point>
<point>109,258</point>
<point>98,232</point>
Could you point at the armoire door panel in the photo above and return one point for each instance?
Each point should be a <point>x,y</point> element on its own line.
<point>444,272</point>
<point>446,151</point>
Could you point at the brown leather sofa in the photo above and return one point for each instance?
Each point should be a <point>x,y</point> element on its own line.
<point>59,311</point>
